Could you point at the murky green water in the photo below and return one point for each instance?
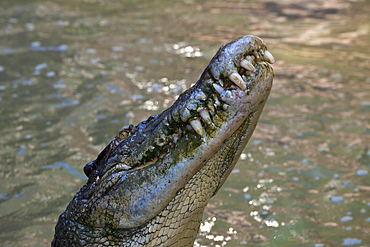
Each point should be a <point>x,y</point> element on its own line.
<point>72,73</point>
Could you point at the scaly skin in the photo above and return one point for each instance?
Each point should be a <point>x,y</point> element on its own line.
<point>150,185</point>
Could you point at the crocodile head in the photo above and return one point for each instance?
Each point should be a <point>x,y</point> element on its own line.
<point>150,185</point>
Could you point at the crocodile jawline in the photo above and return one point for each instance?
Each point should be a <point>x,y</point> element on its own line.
<point>150,185</point>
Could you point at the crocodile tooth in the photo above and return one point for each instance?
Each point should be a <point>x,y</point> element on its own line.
<point>245,79</point>
<point>205,116</point>
<point>247,65</point>
<point>257,56</point>
<point>217,102</point>
<point>220,82</point>
<point>211,108</point>
<point>185,115</point>
<point>227,97</point>
<point>200,95</point>
<point>215,72</point>
<point>238,80</point>
<point>249,58</point>
<point>218,88</point>
<point>268,56</point>
<point>197,126</point>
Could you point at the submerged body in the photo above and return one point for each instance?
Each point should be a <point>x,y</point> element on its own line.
<point>151,184</point>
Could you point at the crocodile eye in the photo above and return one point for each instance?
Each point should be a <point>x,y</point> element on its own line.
<point>123,135</point>
<point>89,167</point>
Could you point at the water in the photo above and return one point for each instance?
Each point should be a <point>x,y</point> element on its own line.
<point>72,73</point>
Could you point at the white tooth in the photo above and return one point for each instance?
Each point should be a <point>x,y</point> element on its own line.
<point>227,97</point>
<point>217,102</point>
<point>200,96</point>
<point>238,80</point>
<point>247,65</point>
<point>211,108</point>
<point>268,56</point>
<point>185,114</point>
<point>218,88</point>
<point>205,116</point>
<point>221,83</point>
<point>249,58</point>
<point>197,126</point>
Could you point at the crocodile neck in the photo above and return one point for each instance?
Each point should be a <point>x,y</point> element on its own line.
<point>178,223</point>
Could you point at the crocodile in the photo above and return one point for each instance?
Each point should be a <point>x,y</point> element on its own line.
<point>152,182</point>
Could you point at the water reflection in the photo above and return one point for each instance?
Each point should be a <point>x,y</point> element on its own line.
<point>73,73</point>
